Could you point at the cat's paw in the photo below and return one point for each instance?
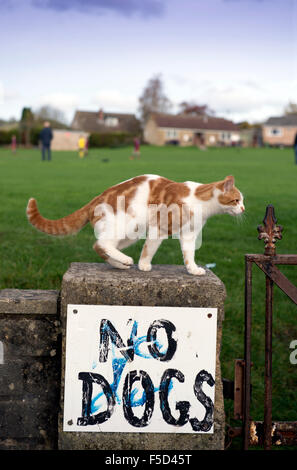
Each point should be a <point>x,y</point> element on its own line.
<point>144,266</point>
<point>195,270</point>
<point>127,261</point>
<point>117,264</point>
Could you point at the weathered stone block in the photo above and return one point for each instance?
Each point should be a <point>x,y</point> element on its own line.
<point>25,418</point>
<point>29,369</point>
<point>27,301</point>
<point>29,336</point>
<point>166,285</point>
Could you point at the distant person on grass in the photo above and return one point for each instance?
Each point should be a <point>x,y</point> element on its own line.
<point>136,150</point>
<point>13,143</point>
<point>295,148</point>
<point>46,136</point>
<point>81,146</point>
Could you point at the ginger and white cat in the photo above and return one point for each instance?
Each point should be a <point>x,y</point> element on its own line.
<point>132,206</point>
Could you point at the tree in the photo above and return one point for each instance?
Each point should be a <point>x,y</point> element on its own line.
<point>244,125</point>
<point>26,124</point>
<point>51,114</point>
<point>194,109</point>
<point>291,108</point>
<point>153,99</point>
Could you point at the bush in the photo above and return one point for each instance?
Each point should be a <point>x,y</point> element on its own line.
<point>6,135</point>
<point>34,135</point>
<point>111,139</point>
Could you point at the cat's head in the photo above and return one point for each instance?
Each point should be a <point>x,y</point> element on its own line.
<point>229,197</point>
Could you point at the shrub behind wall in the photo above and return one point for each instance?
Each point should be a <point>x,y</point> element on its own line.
<point>6,135</point>
<point>111,139</point>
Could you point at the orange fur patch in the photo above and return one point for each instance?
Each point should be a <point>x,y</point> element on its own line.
<point>168,193</point>
<point>65,226</point>
<point>205,191</point>
<point>110,196</point>
<point>144,252</point>
<point>229,198</point>
<point>100,251</point>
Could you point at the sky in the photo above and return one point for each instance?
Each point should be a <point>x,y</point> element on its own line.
<point>237,56</point>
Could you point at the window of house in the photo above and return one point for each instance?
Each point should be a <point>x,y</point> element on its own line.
<point>275,132</point>
<point>111,121</point>
<point>225,136</point>
<point>171,133</point>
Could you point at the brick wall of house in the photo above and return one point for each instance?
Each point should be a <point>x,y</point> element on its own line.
<point>286,137</point>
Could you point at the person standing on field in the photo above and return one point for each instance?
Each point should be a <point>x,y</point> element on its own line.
<point>46,136</point>
<point>13,143</point>
<point>136,150</point>
<point>81,146</point>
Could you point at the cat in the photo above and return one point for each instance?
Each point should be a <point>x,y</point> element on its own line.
<point>129,206</point>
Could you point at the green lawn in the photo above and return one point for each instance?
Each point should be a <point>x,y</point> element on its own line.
<point>30,259</point>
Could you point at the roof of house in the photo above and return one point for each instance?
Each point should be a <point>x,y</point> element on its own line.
<point>288,120</point>
<point>182,121</point>
<point>92,121</point>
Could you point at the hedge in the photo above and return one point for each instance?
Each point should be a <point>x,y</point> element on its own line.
<point>111,139</point>
<point>5,136</point>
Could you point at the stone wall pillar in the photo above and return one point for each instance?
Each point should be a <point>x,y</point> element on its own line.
<point>165,285</point>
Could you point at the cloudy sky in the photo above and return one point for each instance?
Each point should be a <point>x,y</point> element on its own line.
<point>237,56</point>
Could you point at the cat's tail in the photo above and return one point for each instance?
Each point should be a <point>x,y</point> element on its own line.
<point>68,225</point>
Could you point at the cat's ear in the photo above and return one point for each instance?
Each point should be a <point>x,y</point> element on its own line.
<point>228,183</point>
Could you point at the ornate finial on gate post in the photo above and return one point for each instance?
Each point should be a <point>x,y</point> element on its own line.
<point>270,232</point>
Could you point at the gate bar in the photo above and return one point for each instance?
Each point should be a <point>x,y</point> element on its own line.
<point>247,352</point>
<point>268,365</point>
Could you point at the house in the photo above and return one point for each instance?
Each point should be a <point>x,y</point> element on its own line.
<point>185,130</point>
<point>103,122</point>
<point>251,136</point>
<point>280,131</point>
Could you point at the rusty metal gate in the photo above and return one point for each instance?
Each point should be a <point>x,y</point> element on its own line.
<point>267,432</point>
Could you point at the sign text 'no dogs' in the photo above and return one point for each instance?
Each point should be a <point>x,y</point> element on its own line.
<point>140,369</point>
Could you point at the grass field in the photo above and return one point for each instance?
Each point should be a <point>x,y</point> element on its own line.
<point>30,259</point>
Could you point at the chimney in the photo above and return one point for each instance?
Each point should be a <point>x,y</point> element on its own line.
<point>101,115</point>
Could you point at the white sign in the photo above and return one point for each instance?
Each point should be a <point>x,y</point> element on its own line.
<point>140,369</point>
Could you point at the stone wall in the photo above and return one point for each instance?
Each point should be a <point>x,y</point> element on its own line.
<point>29,369</point>
<point>64,139</point>
<point>32,354</point>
